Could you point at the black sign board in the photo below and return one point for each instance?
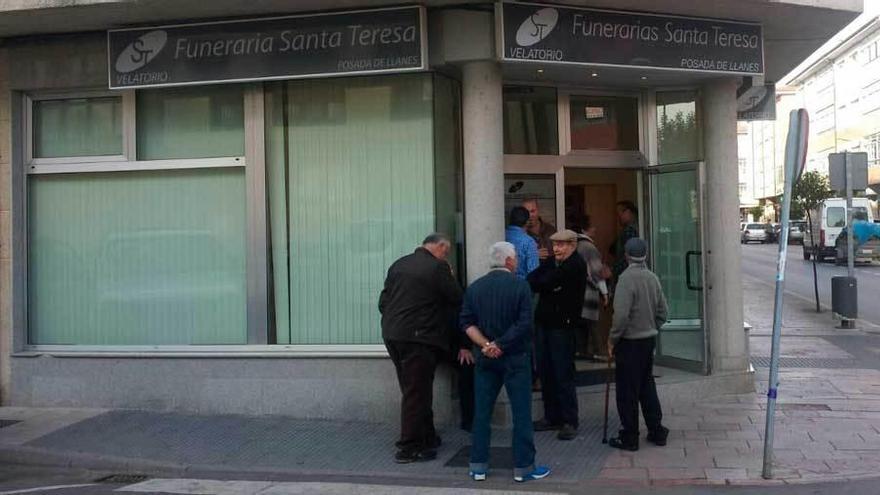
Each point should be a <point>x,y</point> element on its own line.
<point>568,35</point>
<point>360,42</point>
<point>755,102</point>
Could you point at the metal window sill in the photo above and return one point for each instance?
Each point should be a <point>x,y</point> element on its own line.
<point>209,352</point>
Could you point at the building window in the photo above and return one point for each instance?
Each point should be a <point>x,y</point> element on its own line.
<point>126,251</point>
<point>824,120</point>
<point>98,129</point>
<point>604,123</point>
<point>678,127</point>
<point>871,97</point>
<point>352,179</point>
<point>192,122</point>
<point>742,166</point>
<point>530,121</point>
<point>872,146</point>
<point>871,52</point>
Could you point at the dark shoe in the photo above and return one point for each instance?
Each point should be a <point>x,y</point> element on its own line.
<point>431,445</point>
<point>617,443</point>
<point>410,456</point>
<point>436,442</point>
<point>567,432</point>
<point>544,425</point>
<point>658,437</point>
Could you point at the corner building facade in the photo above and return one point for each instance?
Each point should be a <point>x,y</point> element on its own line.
<point>198,215</point>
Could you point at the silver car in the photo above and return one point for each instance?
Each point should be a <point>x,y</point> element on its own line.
<point>754,232</point>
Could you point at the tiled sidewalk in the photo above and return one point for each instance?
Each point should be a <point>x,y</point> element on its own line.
<point>827,425</point>
<point>827,428</point>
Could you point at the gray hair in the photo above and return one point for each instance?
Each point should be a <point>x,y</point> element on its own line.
<point>499,252</point>
<point>437,238</point>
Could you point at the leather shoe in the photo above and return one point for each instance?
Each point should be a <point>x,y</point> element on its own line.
<point>544,425</point>
<point>618,443</point>
<point>410,456</point>
<point>658,436</point>
<point>567,432</point>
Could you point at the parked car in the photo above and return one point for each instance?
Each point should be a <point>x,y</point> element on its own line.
<point>828,222</point>
<point>796,231</point>
<point>754,232</point>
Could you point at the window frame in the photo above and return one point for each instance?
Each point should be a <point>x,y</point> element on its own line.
<point>256,272</point>
<point>31,98</point>
<point>127,161</point>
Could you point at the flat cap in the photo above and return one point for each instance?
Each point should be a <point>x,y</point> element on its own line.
<point>564,236</point>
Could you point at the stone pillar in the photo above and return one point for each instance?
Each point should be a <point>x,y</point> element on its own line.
<point>483,162</point>
<point>727,341</point>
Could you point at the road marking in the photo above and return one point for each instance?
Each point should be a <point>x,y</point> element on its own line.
<point>218,487</point>
<point>46,488</point>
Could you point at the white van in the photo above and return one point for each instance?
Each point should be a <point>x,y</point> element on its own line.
<point>827,224</point>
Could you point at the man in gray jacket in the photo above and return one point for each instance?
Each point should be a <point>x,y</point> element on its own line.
<point>639,312</point>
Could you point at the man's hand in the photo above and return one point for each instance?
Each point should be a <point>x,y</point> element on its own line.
<point>492,351</point>
<point>465,357</point>
<point>543,254</point>
<point>610,350</point>
<point>605,300</point>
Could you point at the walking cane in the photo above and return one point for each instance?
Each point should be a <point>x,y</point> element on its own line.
<point>607,394</point>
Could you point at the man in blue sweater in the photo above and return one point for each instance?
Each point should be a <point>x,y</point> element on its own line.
<point>497,317</point>
<point>526,247</point>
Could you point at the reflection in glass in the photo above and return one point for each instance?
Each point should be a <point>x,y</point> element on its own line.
<point>678,127</point>
<point>530,121</point>
<point>198,122</point>
<point>77,127</point>
<point>137,258</point>
<point>604,123</point>
<point>676,237</point>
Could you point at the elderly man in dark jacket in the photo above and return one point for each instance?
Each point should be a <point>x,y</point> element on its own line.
<point>560,282</point>
<point>419,294</point>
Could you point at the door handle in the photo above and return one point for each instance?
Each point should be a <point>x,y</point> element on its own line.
<point>687,269</point>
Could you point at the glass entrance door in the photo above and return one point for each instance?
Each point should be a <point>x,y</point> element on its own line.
<point>675,199</point>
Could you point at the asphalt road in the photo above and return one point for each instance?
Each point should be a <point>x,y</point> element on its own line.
<point>759,261</point>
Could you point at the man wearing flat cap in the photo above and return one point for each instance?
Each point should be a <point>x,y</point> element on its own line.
<point>639,312</point>
<point>560,282</point>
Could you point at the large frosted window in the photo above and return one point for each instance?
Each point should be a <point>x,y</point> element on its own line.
<point>198,122</point>
<point>351,188</point>
<point>77,127</point>
<point>152,257</point>
<point>678,127</point>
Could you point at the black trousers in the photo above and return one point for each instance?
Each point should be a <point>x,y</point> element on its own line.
<point>635,385</point>
<point>465,393</point>
<point>555,348</point>
<point>415,365</point>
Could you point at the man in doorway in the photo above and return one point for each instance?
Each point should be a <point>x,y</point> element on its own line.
<point>560,282</point>
<point>596,293</point>
<point>497,317</point>
<point>628,218</point>
<point>539,229</point>
<point>419,294</point>
<point>525,246</point>
<point>639,311</point>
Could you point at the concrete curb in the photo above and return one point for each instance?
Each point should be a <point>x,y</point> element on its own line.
<point>21,455</point>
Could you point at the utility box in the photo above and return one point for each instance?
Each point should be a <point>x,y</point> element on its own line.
<point>844,297</point>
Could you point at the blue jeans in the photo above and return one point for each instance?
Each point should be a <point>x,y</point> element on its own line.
<point>515,373</point>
